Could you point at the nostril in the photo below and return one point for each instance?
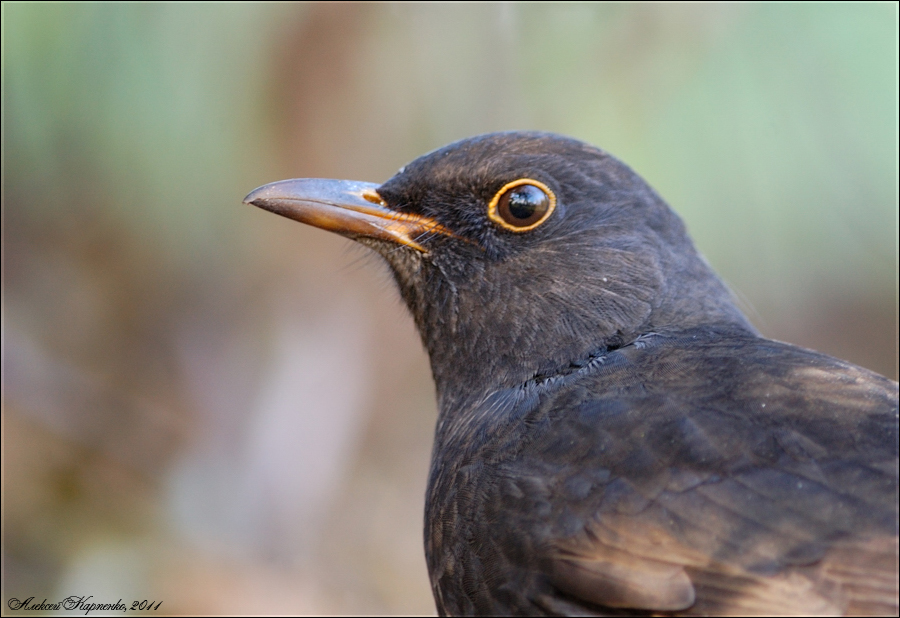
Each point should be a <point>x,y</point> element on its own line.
<point>372,196</point>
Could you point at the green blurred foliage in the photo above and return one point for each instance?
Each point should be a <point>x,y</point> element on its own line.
<point>127,107</point>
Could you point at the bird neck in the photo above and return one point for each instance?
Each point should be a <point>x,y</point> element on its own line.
<point>483,337</point>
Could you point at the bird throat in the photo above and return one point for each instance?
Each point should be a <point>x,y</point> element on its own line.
<point>480,342</point>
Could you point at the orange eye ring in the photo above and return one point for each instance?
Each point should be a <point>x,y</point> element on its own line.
<point>529,209</point>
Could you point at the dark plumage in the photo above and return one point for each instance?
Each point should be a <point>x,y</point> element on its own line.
<point>613,435</point>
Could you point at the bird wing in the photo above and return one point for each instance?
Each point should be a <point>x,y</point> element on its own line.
<point>724,478</point>
<point>629,561</point>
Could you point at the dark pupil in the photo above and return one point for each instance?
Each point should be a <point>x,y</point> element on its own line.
<point>526,201</point>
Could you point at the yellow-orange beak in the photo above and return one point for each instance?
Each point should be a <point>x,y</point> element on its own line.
<point>350,208</point>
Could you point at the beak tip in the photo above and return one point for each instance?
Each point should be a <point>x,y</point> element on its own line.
<point>251,198</point>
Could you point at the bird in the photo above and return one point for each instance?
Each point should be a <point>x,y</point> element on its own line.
<point>614,437</point>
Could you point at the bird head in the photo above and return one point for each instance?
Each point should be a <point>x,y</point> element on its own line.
<point>519,254</point>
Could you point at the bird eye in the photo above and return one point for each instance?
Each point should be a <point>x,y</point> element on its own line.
<point>522,205</point>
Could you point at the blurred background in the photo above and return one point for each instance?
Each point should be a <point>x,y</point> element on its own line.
<point>213,407</point>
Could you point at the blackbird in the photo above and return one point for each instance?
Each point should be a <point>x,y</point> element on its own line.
<point>614,437</point>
